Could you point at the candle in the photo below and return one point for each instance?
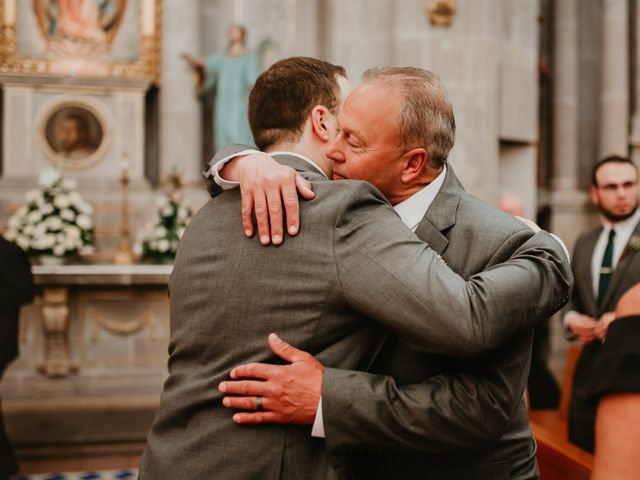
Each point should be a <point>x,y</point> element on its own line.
<point>148,17</point>
<point>10,12</point>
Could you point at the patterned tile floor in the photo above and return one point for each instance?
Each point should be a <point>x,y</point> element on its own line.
<point>101,475</point>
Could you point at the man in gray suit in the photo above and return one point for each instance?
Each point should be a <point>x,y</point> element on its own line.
<point>606,263</point>
<point>352,259</point>
<point>413,415</point>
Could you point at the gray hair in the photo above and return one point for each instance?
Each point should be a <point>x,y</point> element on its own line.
<point>426,117</point>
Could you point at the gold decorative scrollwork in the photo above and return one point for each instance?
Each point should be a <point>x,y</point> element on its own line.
<point>146,68</point>
<point>122,326</point>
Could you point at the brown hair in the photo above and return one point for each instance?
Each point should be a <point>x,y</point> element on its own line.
<point>426,117</point>
<point>283,97</point>
<point>609,159</point>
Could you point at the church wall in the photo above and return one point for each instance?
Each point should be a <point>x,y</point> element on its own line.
<point>491,75</point>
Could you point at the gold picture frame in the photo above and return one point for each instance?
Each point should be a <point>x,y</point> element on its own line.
<point>77,49</point>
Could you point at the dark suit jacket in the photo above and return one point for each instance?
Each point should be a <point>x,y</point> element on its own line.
<point>582,408</point>
<point>16,288</point>
<point>433,416</point>
<point>352,258</point>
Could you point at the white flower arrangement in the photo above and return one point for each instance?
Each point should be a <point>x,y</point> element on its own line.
<point>172,217</point>
<point>55,220</point>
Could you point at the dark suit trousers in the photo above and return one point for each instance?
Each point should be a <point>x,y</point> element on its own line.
<point>582,409</point>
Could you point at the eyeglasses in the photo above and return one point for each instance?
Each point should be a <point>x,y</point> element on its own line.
<point>614,187</point>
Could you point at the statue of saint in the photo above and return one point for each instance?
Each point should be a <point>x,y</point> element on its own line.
<point>232,73</point>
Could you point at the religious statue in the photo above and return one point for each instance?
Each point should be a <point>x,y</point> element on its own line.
<point>232,73</point>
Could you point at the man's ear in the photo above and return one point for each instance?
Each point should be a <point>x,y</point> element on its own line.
<point>320,117</point>
<point>595,198</point>
<point>414,164</point>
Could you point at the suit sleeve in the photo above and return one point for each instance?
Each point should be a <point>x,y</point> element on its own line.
<point>462,410</point>
<point>224,153</point>
<point>389,275</point>
<point>471,404</point>
<point>575,302</point>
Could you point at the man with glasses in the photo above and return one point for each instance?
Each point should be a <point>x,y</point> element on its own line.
<point>606,263</point>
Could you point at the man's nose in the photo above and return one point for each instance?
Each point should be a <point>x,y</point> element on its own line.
<point>334,153</point>
<point>621,190</point>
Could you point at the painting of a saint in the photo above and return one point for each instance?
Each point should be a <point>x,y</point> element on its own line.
<point>79,28</point>
<point>73,134</point>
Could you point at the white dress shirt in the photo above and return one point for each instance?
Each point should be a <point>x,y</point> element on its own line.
<point>624,230</point>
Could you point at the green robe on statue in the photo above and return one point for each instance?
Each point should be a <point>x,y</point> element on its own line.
<point>233,77</point>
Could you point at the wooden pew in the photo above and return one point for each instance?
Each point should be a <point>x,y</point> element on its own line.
<point>557,458</point>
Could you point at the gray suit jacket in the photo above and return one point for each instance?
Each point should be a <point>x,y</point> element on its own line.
<point>582,408</point>
<point>433,416</point>
<point>352,259</point>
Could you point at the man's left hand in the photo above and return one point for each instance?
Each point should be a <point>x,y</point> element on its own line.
<point>289,393</point>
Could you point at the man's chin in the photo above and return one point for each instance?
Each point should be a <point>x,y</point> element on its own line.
<point>617,216</point>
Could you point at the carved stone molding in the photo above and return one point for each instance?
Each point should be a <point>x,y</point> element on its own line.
<point>55,324</point>
<point>122,326</point>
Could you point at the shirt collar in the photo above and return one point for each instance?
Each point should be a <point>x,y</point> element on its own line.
<point>301,157</point>
<point>624,225</point>
<point>414,208</point>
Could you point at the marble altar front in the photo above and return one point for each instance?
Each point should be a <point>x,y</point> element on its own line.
<point>93,356</point>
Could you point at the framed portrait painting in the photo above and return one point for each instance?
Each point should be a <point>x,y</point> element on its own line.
<point>117,39</point>
<point>74,133</point>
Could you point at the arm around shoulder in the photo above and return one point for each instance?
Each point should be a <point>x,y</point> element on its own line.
<point>391,276</point>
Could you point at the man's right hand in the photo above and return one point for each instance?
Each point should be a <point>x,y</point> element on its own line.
<point>583,327</point>
<point>266,186</point>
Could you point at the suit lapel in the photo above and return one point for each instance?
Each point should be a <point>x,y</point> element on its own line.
<point>441,215</point>
<point>619,272</point>
<point>586,275</point>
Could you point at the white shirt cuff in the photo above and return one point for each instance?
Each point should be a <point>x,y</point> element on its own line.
<point>318,425</point>
<point>214,171</point>
<point>565,325</point>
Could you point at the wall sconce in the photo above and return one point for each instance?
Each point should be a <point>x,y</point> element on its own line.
<point>441,12</point>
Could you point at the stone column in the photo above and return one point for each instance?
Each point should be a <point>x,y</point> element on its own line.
<point>565,96</point>
<point>179,109</point>
<point>614,98</point>
<point>567,202</point>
